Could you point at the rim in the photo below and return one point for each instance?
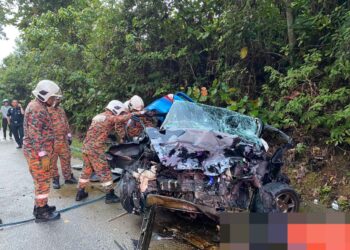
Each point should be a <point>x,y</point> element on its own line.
<point>286,202</point>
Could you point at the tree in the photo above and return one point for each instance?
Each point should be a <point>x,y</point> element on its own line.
<point>235,54</point>
<point>290,23</point>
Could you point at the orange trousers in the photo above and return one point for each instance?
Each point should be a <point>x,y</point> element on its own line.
<point>41,180</point>
<point>61,151</point>
<point>97,162</point>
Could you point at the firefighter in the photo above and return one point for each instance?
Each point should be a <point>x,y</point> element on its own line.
<point>63,138</point>
<point>94,150</point>
<point>133,128</point>
<point>38,147</point>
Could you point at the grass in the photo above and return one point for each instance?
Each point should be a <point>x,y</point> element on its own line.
<point>76,146</point>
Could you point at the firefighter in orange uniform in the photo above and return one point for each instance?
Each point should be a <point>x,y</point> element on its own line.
<point>38,147</point>
<point>94,147</point>
<point>63,139</point>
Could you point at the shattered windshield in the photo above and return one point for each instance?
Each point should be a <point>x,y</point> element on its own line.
<point>187,115</point>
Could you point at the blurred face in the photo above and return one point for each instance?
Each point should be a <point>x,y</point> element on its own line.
<point>6,103</point>
<point>14,103</point>
<point>57,102</point>
<point>50,102</point>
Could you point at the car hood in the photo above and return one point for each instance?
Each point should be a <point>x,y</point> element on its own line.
<point>190,149</point>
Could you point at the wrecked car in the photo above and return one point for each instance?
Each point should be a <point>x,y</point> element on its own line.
<point>203,160</point>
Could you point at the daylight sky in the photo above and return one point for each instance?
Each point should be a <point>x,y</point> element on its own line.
<point>7,46</point>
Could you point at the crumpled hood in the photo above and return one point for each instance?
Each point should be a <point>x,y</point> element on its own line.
<point>192,149</point>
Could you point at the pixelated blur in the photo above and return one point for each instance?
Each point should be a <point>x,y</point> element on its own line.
<point>293,231</point>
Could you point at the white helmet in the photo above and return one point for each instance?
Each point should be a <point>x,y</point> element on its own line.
<point>45,89</point>
<point>135,103</point>
<point>117,107</point>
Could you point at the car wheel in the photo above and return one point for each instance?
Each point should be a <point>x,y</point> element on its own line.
<point>276,197</point>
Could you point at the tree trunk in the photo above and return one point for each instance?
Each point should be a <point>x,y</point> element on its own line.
<point>290,21</point>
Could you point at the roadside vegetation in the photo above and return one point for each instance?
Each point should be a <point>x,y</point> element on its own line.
<point>76,148</point>
<point>287,62</point>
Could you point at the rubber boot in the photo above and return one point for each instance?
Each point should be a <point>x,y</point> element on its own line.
<point>72,180</point>
<point>50,208</point>
<point>81,195</point>
<point>111,197</point>
<point>43,214</point>
<point>56,183</point>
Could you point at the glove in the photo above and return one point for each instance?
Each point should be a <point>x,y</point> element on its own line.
<point>150,113</point>
<point>45,163</point>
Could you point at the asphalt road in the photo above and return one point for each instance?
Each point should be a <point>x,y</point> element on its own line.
<point>86,227</point>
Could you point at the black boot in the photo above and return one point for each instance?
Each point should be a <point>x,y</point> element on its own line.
<point>50,208</point>
<point>111,197</point>
<point>56,183</point>
<point>43,214</point>
<point>81,195</point>
<point>72,180</point>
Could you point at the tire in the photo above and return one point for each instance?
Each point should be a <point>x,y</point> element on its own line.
<point>127,187</point>
<point>146,229</point>
<point>275,197</point>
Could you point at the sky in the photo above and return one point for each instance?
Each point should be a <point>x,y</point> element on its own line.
<point>8,46</point>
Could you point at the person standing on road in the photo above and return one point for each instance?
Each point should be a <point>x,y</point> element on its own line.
<point>94,150</point>
<point>15,120</point>
<point>38,145</point>
<point>63,138</point>
<point>4,110</point>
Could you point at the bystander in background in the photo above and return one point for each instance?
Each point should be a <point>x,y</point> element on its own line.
<point>15,117</point>
<point>4,110</point>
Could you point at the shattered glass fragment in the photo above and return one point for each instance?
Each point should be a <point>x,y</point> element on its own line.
<point>187,115</point>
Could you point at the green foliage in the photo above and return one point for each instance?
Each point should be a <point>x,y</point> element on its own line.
<point>325,190</point>
<point>233,54</point>
<point>300,148</point>
<point>310,99</point>
<point>220,94</point>
<point>344,204</point>
<point>246,106</point>
<point>76,148</point>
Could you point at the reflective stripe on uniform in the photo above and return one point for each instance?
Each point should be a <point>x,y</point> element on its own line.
<point>84,180</point>
<point>41,196</point>
<point>106,184</point>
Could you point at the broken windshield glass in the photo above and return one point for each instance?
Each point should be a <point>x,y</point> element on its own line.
<point>187,115</point>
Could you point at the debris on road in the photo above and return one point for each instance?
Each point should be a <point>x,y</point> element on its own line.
<point>335,205</point>
<point>156,236</point>
<point>118,216</point>
<point>192,239</point>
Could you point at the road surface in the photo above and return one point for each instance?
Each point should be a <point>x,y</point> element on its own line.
<point>86,227</point>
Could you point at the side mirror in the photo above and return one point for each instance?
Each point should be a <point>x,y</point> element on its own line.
<point>277,158</point>
<point>276,162</point>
